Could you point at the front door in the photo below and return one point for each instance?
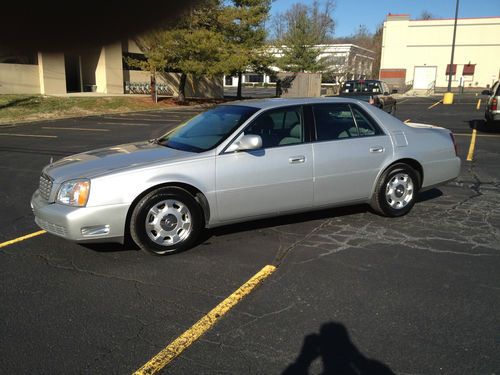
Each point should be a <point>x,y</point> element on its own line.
<point>274,179</point>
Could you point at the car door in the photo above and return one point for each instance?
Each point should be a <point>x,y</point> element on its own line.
<point>273,179</point>
<point>349,151</point>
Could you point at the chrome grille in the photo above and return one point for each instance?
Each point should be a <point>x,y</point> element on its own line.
<point>52,228</point>
<point>45,186</point>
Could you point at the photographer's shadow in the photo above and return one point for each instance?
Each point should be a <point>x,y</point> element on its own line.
<point>339,355</point>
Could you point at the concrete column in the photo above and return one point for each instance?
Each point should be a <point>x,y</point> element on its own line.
<point>51,73</point>
<point>109,71</point>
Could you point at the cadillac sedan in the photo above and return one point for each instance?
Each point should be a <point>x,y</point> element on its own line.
<point>243,161</point>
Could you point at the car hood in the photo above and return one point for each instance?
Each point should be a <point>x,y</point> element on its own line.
<point>111,159</point>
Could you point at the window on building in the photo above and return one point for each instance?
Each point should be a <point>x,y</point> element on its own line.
<point>453,70</point>
<point>469,69</point>
<point>254,78</point>
<point>18,57</point>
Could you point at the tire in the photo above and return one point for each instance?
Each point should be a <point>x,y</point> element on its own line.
<point>393,109</point>
<point>396,191</point>
<point>166,221</point>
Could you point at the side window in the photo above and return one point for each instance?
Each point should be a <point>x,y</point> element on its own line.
<point>334,121</point>
<point>366,126</point>
<point>279,127</point>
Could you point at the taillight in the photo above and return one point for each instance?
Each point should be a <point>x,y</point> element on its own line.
<point>493,105</point>
<point>454,143</point>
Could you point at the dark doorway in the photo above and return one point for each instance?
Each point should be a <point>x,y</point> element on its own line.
<point>73,73</point>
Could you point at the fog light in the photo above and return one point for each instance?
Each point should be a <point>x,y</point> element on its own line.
<point>98,230</point>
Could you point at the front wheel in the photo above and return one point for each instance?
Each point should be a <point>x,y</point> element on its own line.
<point>166,221</point>
<point>396,191</point>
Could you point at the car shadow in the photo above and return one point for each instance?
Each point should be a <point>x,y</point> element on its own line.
<point>337,352</point>
<point>428,195</point>
<point>262,224</point>
<point>485,127</point>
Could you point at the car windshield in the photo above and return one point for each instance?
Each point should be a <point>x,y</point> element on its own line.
<point>361,87</point>
<point>208,129</point>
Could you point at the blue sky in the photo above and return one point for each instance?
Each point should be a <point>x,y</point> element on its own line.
<point>349,14</point>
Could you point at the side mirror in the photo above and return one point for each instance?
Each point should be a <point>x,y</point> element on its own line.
<point>394,91</point>
<point>486,92</point>
<point>247,142</point>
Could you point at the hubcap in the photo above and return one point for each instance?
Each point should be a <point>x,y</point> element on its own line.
<point>399,191</point>
<point>168,222</point>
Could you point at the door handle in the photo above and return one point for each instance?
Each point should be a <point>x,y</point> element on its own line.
<point>377,149</point>
<point>296,159</point>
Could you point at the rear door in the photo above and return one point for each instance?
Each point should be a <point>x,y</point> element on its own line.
<point>349,151</point>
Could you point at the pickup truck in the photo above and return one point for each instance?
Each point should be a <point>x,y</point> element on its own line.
<point>371,91</point>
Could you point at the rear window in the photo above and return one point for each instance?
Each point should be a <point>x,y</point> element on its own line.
<point>368,87</point>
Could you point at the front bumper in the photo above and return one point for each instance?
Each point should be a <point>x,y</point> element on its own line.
<point>82,224</point>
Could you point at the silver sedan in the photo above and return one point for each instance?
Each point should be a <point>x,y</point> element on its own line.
<point>243,161</point>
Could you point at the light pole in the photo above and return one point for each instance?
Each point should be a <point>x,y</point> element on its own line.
<point>452,56</point>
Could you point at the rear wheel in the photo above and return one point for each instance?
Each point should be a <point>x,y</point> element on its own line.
<point>396,191</point>
<point>166,221</point>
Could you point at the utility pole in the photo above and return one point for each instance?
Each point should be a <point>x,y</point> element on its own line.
<point>453,47</point>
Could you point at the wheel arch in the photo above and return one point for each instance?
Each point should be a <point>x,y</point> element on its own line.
<point>195,192</point>
<point>409,161</point>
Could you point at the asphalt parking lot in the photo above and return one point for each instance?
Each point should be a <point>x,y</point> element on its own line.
<point>412,295</point>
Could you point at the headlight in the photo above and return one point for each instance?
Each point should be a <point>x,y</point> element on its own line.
<point>74,193</point>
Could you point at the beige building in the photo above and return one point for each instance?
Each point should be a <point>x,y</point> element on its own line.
<point>102,70</point>
<point>416,53</point>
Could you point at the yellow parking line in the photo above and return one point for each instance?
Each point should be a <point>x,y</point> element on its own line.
<point>406,121</point>
<point>29,135</point>
<point>77,129</point>
<point>19,239</point>
<point>470,155</point>
<point>435,104</point>
<point>177,346</point>
<point>478,104</point>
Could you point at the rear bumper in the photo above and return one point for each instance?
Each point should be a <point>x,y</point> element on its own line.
<point>492,115</point>
<point>441,171</point>
<point>81,224</point>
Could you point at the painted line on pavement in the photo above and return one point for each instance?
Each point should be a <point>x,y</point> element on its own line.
<point>478,135</point>
<point>402,101</point>
<point>433,105</point>
<point>121,123</point>
<point>77,129</point>
<point>165,356</point>
<point>29,135</point>
<point>470,155</point>
<point>478,104</point>
<point>19,239</point>
<point>406,121</point>
<point>131,119</point>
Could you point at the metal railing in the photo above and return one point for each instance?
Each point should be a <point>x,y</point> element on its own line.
<point>145,88</point>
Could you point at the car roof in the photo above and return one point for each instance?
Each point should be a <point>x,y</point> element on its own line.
<point>283,102</point>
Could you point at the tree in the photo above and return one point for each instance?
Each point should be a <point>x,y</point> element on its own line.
<point>426,15</point>
<point>242,23</point>
<point>193,45</point>
<point>299,31</point>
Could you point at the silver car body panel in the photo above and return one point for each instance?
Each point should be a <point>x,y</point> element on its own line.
<point>240,186</point>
